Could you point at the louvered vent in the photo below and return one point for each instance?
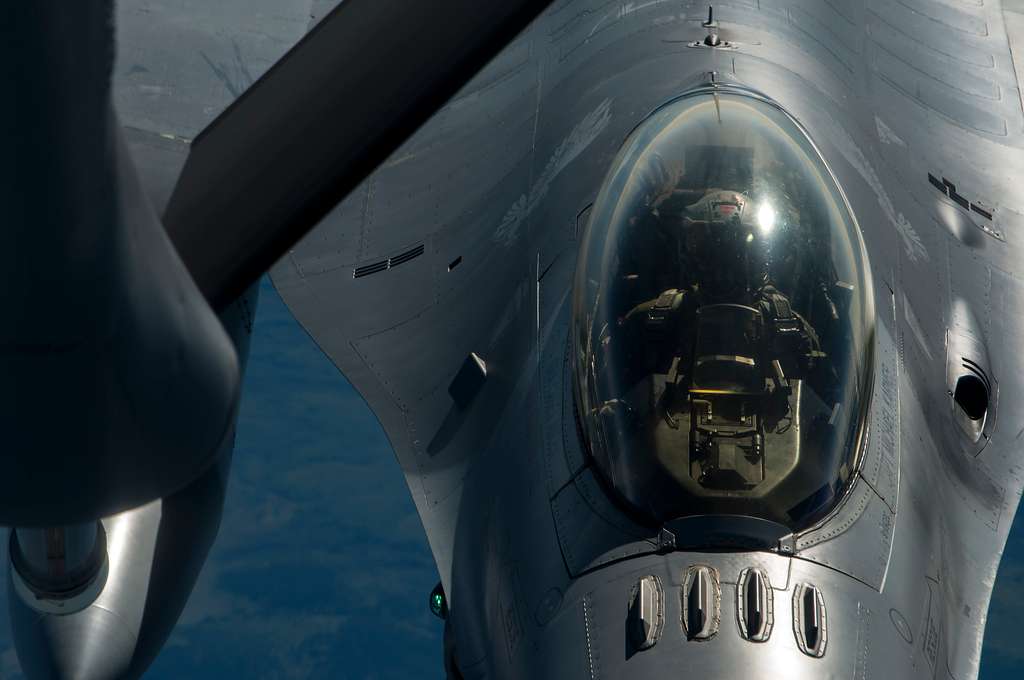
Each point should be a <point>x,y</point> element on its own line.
<point>383,265</point>
<point>368,269</point>
<point>406,256</point>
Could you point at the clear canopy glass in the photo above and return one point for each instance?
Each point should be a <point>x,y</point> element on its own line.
<point>723,320</point>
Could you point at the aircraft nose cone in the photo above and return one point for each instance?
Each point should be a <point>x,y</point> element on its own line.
<point>93,644</point>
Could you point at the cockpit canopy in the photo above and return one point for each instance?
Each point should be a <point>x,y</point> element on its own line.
<point>723,320</point>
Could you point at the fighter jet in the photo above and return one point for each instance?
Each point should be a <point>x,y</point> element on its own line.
<point>694,332</point>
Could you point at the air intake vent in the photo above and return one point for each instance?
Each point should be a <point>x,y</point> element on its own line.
<point>384,265</point>
<point>702,598</point>
<point>646,613</point>
<point>975,403</point>
<point>754,605</point>
<point>972,393</point>
<point>949,190</point>
<point>368,269</point>
<point>406,256</point>
<point>809,622</point>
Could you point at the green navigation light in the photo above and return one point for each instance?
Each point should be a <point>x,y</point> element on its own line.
<point>438,602</point>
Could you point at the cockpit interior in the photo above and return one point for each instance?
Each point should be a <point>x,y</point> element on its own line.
<point>723,321</point>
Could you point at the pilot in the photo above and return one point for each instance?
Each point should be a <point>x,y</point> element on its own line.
<point>657,330</point>
<point>719,256</point>
<point>721,247</point>
<point>710,257</point>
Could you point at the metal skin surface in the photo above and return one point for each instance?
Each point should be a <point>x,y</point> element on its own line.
<point>152,570</point>
<point>122,383</point>
<point>107,333</point>
<point>465,241</point>
<point>60,560</point>
<point>110,336</point>
<point>301,115</point>
<point>538,562</point>
<point>154,555</point>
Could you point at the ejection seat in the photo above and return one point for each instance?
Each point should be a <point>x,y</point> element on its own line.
<point>726,391</point>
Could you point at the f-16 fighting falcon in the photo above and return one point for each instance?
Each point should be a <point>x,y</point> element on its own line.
<point>695,332</point>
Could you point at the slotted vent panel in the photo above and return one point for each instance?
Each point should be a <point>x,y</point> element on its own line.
<point>406,256</point>
<point>368,269</point>
<point>384,265</point>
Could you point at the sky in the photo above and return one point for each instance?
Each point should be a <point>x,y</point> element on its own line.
<point>321,568</point>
